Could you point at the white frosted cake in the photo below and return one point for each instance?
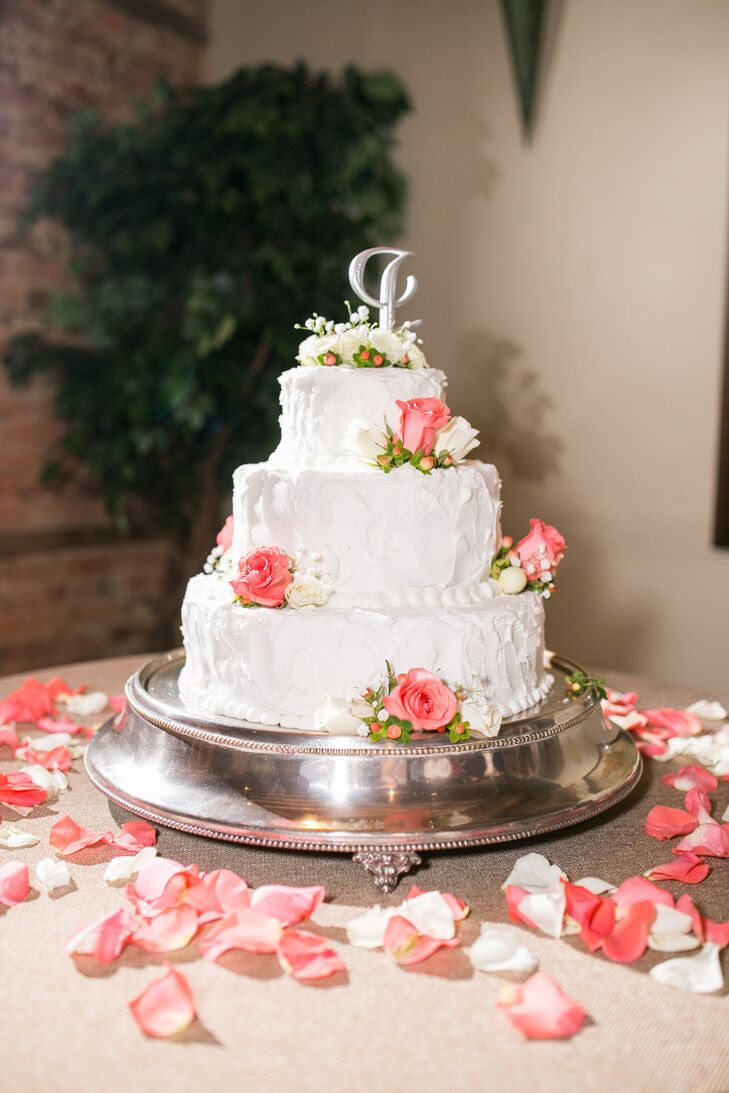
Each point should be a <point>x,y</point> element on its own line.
<point>352,558</point>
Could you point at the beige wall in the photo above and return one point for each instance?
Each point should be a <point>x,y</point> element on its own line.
<point>574,290</point>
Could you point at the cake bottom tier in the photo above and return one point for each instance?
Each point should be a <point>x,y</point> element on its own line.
<point>274,666</point>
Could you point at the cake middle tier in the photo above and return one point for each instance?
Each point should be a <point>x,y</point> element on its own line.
<point>403,537</point>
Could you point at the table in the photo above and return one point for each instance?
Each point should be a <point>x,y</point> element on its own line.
<point>431,1027</point>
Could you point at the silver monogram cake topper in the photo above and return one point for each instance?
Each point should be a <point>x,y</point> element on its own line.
<point>388,284</point>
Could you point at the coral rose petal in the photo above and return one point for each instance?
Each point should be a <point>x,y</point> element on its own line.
<point>217,894</point>
<point>626,699</point>
<point>699,974</point>
<point>514,898</point>
<point>134,836</point>
<point>103,939</point>
<point>247,929</point>
<point>62,724</point>
<point>689,868</point>
<point>68,837</point>
<point>165,1007</point>
<point>308,956</point>
<point>20,791</point>
<point>540,1010</point>
<point>629,938</point>
<point>691,777</point>
<point>665,823</point>
<point>496,951</point>
<point>717,932</point>
<point>678,722</point>
<point>117,702</point>
<point>14,883</point>
<point>51,758</point>
<point>167,932</point>
<point>9,739</point>
<point>289,905</point>
<point>638,889</point>
<point>711,839</point>
<point>407,945</point>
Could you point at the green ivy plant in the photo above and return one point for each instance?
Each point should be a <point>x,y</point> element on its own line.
<point>200,231</point>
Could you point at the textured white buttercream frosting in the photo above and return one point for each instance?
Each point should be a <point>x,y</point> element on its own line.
<point>318,404</point>
<point>273,666</point>
<point>382,536</point>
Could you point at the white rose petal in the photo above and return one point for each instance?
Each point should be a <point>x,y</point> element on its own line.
<point>699,974</point>
<point>417,357</point>
<point>430,915</point>
<point>496,951</point>
<point>125,867</point>
<point>13,838</point>
<point>307,590</point>
<point>672,943</point>
<point>546,909</point>
<point>388,343</point>
<point>87,704</point>
<point>457,437</point>
<point>595,885</point>
<point>480,714</point>
<point>52,781</point>
<point>53,874</point>
<point>533,873</point>
<point>368,931</point>
<point>336,715</point>
<point>708,711</point>
<point>670,921</point>
<point>52,740</point>
<point>364,439</point>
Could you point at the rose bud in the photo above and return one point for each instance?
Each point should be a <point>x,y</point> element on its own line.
<point>377,360</point>
<point>364,355</point>
<point>329,358</point>
<point>394,732</point>
<point>427,463</point>
<point>383,460</point>
<point>405,359</point>
<point>507,542</point>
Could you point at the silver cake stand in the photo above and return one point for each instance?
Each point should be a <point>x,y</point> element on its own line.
<point>385,804</point>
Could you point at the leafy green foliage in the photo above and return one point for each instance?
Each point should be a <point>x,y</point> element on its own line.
<point>200,231</point>
<point>579,683</point>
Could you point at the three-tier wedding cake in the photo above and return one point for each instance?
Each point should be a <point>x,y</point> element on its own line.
<point>362,583</point>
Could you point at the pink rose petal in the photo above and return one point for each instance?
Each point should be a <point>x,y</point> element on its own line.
<point>514,896</point>
<point>540,1010</point>
<point>117,702</point>
<point>289,905</point>
<point>27,703</point>
<point>55,759</point>
<point>626,699</point>
<point>308,956</point>
<point>57,686</point>
<point>68,837</point>
<point>711,839</point>
<point>63,724</point>
<point>14,883</point>
<point>698,804</point>
<point>687,907</point>
<point>249,930</point>
<point>19,790</point>
<point>9,738</point>
<point>665,823</point>
<point>629,939</point>
<point>654,749</point>
<point>103,939</point>
<point>166,1006</point>
<point>718,932</point>
<point>692,777</point>
<point>678,722</point>
<point>638,889</point>
<point>689,868</point>
<point>165,933</point>
<point>134,836</point>
<point>403,942</point>
<point>217,894</point>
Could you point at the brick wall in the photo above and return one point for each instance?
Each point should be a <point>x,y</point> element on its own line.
<point>57,56</point>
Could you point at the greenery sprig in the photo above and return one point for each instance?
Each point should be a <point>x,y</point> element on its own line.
<point>579,683</point>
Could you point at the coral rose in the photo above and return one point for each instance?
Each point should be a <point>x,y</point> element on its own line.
<point>420,418</point>
<point>263,577</point>
<point>423,700</point>
<point>540,550</point>
<point>224,538</point>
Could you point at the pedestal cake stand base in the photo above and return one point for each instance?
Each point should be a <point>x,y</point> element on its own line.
<point>385,804</point>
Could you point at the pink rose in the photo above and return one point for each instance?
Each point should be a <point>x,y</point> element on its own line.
<point>421,698</point>
<point>263,577</point>
<point>419,420</point>
<point>541,550</point>
<point>224,538</point>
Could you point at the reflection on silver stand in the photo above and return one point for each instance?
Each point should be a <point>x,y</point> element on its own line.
<point>385,804</point>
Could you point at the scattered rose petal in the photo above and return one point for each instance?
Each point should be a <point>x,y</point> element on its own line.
<point>540,1010</point>
<point>691,777</point>
<point>430,914</point>
<point>289,905</point>
<point>124,867</point>
<point>711,839</point>
<point>103,939</point>
<point>9,739</point>
<point>496,951</point>
<point>545,909</point>
<point>672,943</point>
<point>51,758</point>
<point>718,932</point>
<point>20,791</point>
<point>55,740</point>
<point>699,974</point>
<point>14,883</point>
<point>62,724</point>
<point>595,885</point>
<point>459,908</point>
<point>638,889</point>
<point>12,838</point>
<point>699,805</point>
<point>367,931</point>
<point>85,705</point>
<point>68,837</point>
<point>407,945</point>
<point>28,702</point>
<point>630,721</point>
<point>161,884</point>
<point>629,938</point>
<point>670,920</point>
<point>678,722</point>
<point>308,956</point>
<point>52,781</point>
<point>626,699</point>
<point>53,874</point>
<point>665,823</point>
<point>117,702</point>
<point>57,689</point>
<point>708,711</point>
<point>134,836</point>
<point>689,868</point>
<point>533,873</point>
<point>167,932</point>
<point>165,1007</point>
<point>514,898</point>
<point>249,930</point>
<point>217,894</point>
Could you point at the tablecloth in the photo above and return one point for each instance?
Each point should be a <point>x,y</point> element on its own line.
<point>434,1026</point>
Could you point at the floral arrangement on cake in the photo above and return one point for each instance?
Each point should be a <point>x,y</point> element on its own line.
<point>413,701</point>
<point>358,343</point>
<point>532,563</point>
<point>428,438</point>
<point>223,543</point>
<point>268,577</point>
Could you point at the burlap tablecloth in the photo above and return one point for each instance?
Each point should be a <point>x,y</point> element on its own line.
<point>434,1026</point>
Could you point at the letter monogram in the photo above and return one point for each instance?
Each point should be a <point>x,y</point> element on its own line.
<point>388,284</point>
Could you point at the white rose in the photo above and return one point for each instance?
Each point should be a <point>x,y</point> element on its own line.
<point>480,715</point>
<point>307,591</point>
<point>348,343</point>
<point>312,348</point>
<point>364,439</point>
<point>417,357</point>
<point>458,438</point>
<point>337,715</point>
<point>388,343</point>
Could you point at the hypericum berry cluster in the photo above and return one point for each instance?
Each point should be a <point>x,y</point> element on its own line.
<point>384,725</point>
<point>395,454</point>
<point>359,342</point>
